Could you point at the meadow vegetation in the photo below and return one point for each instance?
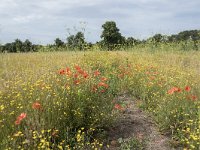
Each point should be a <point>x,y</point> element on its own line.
<point>65,100</point>
<point>63,96</point>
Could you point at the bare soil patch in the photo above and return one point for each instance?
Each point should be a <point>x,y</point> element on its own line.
<point>135,123</point>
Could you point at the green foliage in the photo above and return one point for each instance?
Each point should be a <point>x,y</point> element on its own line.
<point>63,107</point>
<point>62,101</point>
<point>19,46</point>
<point>111,35</point>
<point>130,144</point>
<point>130,42</point>
<point>158,38</point>
<point>27,46</point>
<point>59,43</point>
<point>112,39</point>
<point>1,48</point>
<point>186,35</point>
<point>76,41</point>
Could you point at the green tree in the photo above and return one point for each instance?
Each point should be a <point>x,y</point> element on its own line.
<point>79,40</point>
<point>76,41</point>
<point>130,41</point>
<point>18,46</point>
<point>70,41</point>
<point>172,38</point>
<point>27,46</point>
<point>1,48</point>
<point>59,43</point>
<point>158,38</point>
<point>10,47</point>
<point>111,35</point>
<point>186,35</point>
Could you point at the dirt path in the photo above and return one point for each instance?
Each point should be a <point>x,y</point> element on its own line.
<point>134,123</point>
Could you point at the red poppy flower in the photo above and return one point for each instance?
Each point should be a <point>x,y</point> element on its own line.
<point>37,105</point>
<point>94,88</point>
<point>80,71</point>
<point>77,82</point>
<point>97,73</point>
<point>104,79</point>
<point>103,84</point>
<point>187,88</point>
<point>192,97</point>
<point>62,71</point>
<point>17,122</point>
<point>20,118</point>
<point>178,90</point>
<point>118,106</point>
<point>85,74</point>
<point>174,89</point>
<point>75,75</point>
<point>171,91</point>
<point>77,67</point>
<point>68,71</point>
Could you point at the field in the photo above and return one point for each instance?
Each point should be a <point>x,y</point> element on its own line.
<point>66,100</point>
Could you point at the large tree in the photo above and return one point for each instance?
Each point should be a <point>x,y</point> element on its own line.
<point>27,46</point>
<point>59,43</point>
<point>111,35</point>
<point>76,41</point>
<point>158,38</point>
<point>130,41</point>
<point>18,44</point>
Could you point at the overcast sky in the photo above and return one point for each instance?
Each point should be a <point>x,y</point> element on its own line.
<point>42,21</point>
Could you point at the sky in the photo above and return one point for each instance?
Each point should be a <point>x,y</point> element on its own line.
<point>42,21</point>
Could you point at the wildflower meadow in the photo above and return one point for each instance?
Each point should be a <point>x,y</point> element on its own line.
<point>66,100</point>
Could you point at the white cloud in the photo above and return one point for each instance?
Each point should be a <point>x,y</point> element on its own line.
<point>26,18</point>
<point>44,20</point>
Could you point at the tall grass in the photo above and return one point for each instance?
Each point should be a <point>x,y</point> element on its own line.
<point>68,97</point>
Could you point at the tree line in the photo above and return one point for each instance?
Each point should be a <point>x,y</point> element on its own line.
<point>110,39</point>
<point>18,46</point>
